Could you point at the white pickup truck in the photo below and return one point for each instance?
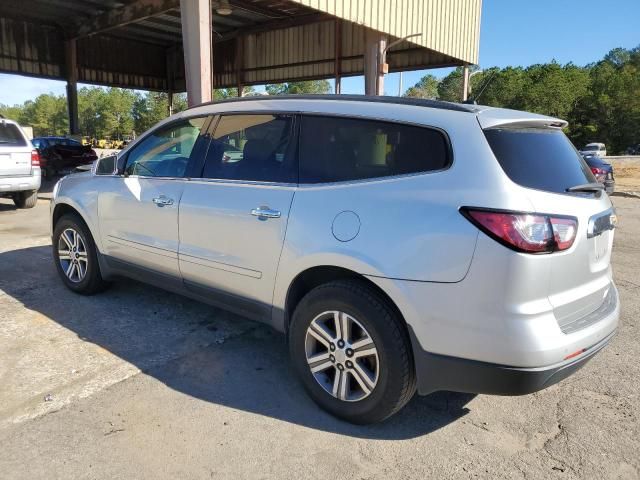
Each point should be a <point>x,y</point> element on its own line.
<point>19,165</point>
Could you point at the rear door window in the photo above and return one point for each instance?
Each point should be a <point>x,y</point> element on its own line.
<point>542,159</point>
<point>10,136</point>
<point>337,149</point>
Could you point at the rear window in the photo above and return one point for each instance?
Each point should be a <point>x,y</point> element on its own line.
<point>539,158</point>
<point>337,149</point>
<point>10,136</point>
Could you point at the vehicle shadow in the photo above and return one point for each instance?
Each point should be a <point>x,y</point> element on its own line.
<point>199,350</point>
<point>7,206</point>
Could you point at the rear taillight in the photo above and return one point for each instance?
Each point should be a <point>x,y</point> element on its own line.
<point>599,173</point>
<point>525,232</point>
<point>35,158</point>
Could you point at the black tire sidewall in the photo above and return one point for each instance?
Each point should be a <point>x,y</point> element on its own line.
<point>25,199</point>
<point>92,277</point>
<point>391,380</point>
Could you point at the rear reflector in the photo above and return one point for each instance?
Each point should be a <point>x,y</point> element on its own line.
<point>35,158</point>
<point>575,354</point>
<point>525,232</point>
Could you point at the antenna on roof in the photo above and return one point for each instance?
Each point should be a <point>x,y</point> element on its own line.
<point>474,98</point>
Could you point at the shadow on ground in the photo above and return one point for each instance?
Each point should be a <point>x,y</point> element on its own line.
<point>248,370</point>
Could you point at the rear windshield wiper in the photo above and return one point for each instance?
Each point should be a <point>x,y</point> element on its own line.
<point>587,187</point>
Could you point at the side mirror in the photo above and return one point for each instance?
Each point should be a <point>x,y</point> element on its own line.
<point>106,165</point>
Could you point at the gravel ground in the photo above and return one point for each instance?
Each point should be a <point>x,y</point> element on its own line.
<point>138,383</point>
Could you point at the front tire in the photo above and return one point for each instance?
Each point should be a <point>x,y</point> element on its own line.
<point>76,256</point>
<point>26,199</point>
<point>352,352</point>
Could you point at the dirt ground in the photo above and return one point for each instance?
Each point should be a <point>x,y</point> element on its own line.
<point>136,383</point>
<point>627,175</point>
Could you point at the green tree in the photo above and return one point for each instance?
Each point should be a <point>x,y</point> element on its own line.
<point>91,107</point>
<point>149,109</point>
<point>118,112</point>
<point>47,114</point>
<point>298,88</point>
<point>14,112</point>
<point>426,87</point>
<point>224,93</point>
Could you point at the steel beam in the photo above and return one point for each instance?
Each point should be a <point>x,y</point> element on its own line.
<point>375,44</point>
<point>337,39</point>
<point>465,83</point>
<point>130,13</point>
<point>71,60</point>
<point>196,39</point>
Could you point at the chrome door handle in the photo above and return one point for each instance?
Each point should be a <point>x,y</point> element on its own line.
<point>265,212</point>
<point>161,201</point>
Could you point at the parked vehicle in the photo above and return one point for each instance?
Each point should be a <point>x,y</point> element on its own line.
<point>603,171</point>
<point>633,150</point>
<point>19,165</point>
<point>400,244</point>
<point>62,155</point>
<point>598,149</point>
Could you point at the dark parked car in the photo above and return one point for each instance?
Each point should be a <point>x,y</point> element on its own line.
<point>633,150</point>
<point>603,171</point>
<point>62,155</point>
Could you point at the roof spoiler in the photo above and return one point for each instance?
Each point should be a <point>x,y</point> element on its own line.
<point>514,119</point>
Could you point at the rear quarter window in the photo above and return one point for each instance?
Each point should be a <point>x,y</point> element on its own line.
<point>542,159</point>
<point>336,149</point>
<point>10,136</point>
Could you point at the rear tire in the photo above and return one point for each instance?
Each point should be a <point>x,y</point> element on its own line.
<point>390,380</point>
<point>26,199</point>
<point>76,256</point>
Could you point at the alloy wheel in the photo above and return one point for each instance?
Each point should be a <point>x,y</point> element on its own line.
<point>342,356</point>
<point>72,255</point>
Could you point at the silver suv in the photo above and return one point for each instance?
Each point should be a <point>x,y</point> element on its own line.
<point>399,244</point>
<point>19,165</point>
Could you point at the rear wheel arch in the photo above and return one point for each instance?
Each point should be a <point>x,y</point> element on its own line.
<point>313,277</point>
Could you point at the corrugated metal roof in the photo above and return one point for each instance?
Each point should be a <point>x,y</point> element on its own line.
<point>450,27</point>
<point>276,40</point>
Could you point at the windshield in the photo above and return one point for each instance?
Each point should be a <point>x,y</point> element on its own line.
<point>538,158</point>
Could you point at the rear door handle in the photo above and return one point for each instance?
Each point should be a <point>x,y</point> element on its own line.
<point>161,201</point>
<point>265,212</point>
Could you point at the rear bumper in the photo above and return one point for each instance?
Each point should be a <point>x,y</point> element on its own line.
<point>439,372</point>
<point>609,186</point>
<point>20,183</point>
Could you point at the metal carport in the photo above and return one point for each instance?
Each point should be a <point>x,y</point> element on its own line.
<point>145,44</point>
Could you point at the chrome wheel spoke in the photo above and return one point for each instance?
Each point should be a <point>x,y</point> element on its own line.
<point>321,334</point>
<point>64,255</point>
<point>363,378</point>
<point>340,384</point>
<point>341,321</point>
<point>365,352</point>
<point>70,269</point>
<point>82,269</point>
<point>318,358</point>
<point>68,241</point>
<point>322,366</point>
<point>362,344</point>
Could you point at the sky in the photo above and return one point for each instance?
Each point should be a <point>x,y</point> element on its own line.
<point>513,32</point>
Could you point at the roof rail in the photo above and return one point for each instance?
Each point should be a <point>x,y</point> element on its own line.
<point>418,102</point>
